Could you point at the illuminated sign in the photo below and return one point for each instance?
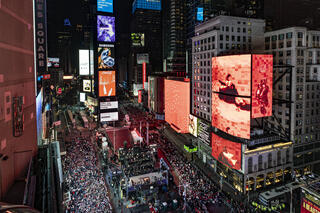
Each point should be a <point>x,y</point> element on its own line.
<point>177,104</point>
<point>109,105</point>
<point>200,14</point>
<point>137,39</point>
<point>109,116</point>
<point>190,150</point>
<point>139,96</point>
<point>193,125</point>
<point>204,131</point>
<point>142,58</point>
<point>144,74</point>
<point>91,62</point>
<point>39,116</point>
<point>226,152</point>
<point>309,207</point>
<point>18,116</point>
<point>84,65</point>
<point>146,4</point>
<point>106,56</point>
<point>82,97</point>
<point>53,62</point>
<point>106,28</point>
<point>107,83</point>
<point>105,6</point>
<point>86,86</point>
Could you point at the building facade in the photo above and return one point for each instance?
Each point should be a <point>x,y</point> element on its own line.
<point>299,48</point>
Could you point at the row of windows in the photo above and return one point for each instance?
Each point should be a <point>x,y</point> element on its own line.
<point>202,78</point>
<point>279,37</point>
<point>202,114</point>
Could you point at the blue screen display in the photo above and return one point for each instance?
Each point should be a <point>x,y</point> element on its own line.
<point>200,14</point>
<point>146,4</point>
<point>39,116</point>
<point>106,28</point>
<point>105,6</point>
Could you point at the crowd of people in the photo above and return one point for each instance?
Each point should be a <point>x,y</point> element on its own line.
<point>83,178</point>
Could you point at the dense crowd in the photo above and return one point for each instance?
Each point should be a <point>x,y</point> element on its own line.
<point>83,178</point>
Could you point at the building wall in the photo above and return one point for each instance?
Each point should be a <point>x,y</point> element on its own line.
<point>17,78</point>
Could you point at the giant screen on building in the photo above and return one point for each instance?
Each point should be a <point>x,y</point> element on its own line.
<point>106,56</point>
<point>226,152</point>
<point>105,6</point>
<point>107,83</point>
<point>177,104</point>
<point>106,28</point>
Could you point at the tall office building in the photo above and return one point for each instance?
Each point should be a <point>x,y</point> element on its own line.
<point>300,48</point>
<point>18,137</point>
<point>221,35</point>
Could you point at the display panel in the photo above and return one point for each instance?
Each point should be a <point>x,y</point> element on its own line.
<point>146,4</point>
<point>193,125</point>
<point>84,65</point>
<point>86,86</point>
<point>142,58</point>
<point>137,39</point>
<point>232,75</point>
<point>105,6</point>
<point>53,62</point>
<point>106,55</point>
<point>231,114</point>
<point>200,14</point>
<point>144,74</point>
<point>308,206</point>
<point>82,97</point>
<point>226,152</point>
<point>107,83</point>
<point>177,104</point>
<point>262,78</point>
<point>106,28</point>
<point>109,116</point>
<point>139,96</point>
<point>204,131</point>
<point>109,105</point>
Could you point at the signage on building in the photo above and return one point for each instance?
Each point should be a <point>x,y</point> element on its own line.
<point>204,132</point>
<point>137,39</point>
<point>82,97</point>
<point>193,125</point>
<point>139,96</point>
<point>86,85</point>
<point>92,101</point>
<point>144,74</point>
<point>109,105</point>
<point>84,64</point>
<point>53,62</point>
<point>108,116</point>
<point>105,6</point>
<point>46,76</point>
<point>41,36</point>
<point>200,14</point>
<point>142,58</point>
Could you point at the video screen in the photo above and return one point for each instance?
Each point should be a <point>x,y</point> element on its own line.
<point>106,56</point>
<point>107,83</point>
<point>105,6</point>
<point>137,39</point>
<point>232,75</point>
<point>193,125</point>
<point>231,114</point>
<point>262,80</point>
<point>200,14</point>
<point>226,152</point>
<point>106,28</point>
<point>177,104</point>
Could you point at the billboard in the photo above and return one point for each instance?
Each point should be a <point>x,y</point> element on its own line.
<point>137,39</point>
<point>106,28</point>
<point>109,105</point>
<point>146,4</point>
<point>107,83</point>
<point>199,13</point>
<point>193,125</point>
<point>105,6</point>
<point>86,85</point>
<point>39,116</point>
<point>142,58</point>
<point>91,62</point>
<point>177,104</point>
<point>108,116</point>
<point>139,96</point>
<point>232,75</point>
<point>226,152</point>
<point>106,56</point>
<point>82,97</point>
<point>84,65</point>
<point>144,74</point>
<point>53,62</point>
<point>204,130</point>
<point>262,71</point>
<point>231,114</point>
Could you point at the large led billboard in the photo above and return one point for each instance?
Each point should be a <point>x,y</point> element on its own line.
<point>109,116</point>
<point>310,202</point>
<point>226,152</point>
<point>193,125</point>
<point>86,84</point>
<point>146,4</point>
<point>53,62</point>
<point>231,114</point>
<point>199,13</point>
<point>262,70</point>
<point>106,56</point>
<point>204,129</point>
<point>177,104</point>
<point>105,6</point>
<point>84,65</point>
<point>137,39</point>
<point>106,28</point>
<point>107,83</point>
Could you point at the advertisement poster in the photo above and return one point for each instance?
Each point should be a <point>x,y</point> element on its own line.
<point>53,62</point>
<point>82,97</point>
<point>84,65</point>
<point>193,125</point>
<point>106,56</point>
<point>262,79</point>
<point>86,86</point>
<point>308,206</point>
<point>204,132</point>
<point>109,116</point>
<point>232,75</point>
<point>226,152</point>
<point>231,114</point>
<point>139,96</point>
<point>137,39</point>
<point>106,28</point>
<point>107,83</point>
<point>200,14</point>
<point>109,105</point>
<point>105,6</point>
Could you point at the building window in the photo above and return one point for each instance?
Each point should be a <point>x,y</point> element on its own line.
<point>244,30</point>
<point>250,165</point>
<point>260,163</point>
<point>269,160</point>
<point>221,37</point>
<point>289,35</point>
<point>300,34</point>
<point>279,158</point>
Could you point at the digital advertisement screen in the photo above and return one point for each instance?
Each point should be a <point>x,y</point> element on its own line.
<point>107,83</point>
<point>231,114</point>
<point>193,125</point>
<point>200,14</point>
<point>226,152</point>
<point>232,75</point>
<point>86,85</point>
<point>204,134</point>
<point>109,105</point>
<point>137,39</point>
<point>139,96</point>
<point>177,104</point>
<point>146,4</point>
<point>105,6</point>
<point>109,116</point>
<point>106,28</point>
<point>53,62</point>
<point>82,97</point>
<point>308,206</point>
<point>84,65</point>
<point>142,58</point>
<point>106,56</point>
<point>262,80</point>
<point>39,116</point>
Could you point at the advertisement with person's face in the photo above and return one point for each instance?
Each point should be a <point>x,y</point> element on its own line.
<point>107,83</point>
<point>106,56</point>
<point>232,75</point>
<point>231,114</point>
<point>262,74</point>
<point>106,28</point>
<point>226,152</point>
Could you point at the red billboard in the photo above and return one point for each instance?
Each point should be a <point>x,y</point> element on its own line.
<point>232,75</point>
<point>107,83</point>
<point>226,152</point>
<point>308,206</point>
<point>139,96</point>
<point>144,73</point>
<point>231,114</point>
<point>262,70</point>
<point>177,104</point>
